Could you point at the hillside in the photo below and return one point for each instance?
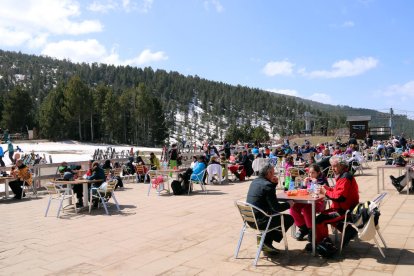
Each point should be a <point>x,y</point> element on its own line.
<point>192,108</point>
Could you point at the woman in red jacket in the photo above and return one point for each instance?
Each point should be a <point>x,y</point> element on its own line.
<point>344,196</point>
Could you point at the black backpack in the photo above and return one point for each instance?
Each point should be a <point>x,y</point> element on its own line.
<point>326,248</point>
<point>176,187</point>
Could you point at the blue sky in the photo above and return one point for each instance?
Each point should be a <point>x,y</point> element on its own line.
<point>351,52</point>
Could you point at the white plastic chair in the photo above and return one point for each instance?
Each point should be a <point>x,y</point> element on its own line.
<point>369,231</point>
<point>247,213</point>
<point>212,170</point>
<point>57,192</point>
<point>104,193</point>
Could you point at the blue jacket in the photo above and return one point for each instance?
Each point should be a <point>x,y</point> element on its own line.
<point>199,167</point>
<point>1,152</point>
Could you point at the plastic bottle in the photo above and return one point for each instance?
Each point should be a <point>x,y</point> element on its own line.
<point>291,185</point>
<point>312,187</point>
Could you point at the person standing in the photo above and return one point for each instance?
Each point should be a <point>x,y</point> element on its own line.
<point>1,157</point>
<point>262,194</point>
<point>10,149</point>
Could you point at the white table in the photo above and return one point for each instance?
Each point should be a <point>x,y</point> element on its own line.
<point>390,167</point>
<point>307,199</point>
<point>7,179</point>
<point>78,181</point>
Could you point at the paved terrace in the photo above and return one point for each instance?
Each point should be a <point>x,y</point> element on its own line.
<point>185,235</point>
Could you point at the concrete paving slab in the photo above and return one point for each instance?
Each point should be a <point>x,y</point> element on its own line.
<point>185,235</point>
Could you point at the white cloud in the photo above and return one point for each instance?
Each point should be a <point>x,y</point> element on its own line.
<point>103,7</point>
<point>33,21</point>
<point>400,90</point>
<point>316,97</point>
<point>344,68</point>
<point>143,6</point>
<point>77,51</point>
<point>289,92</point>
<point>348,24</point>
<point>321,98</point>
<point>274,68</point>
<point>147,57</point>
<point>216,5</point>
<point>92,51</point>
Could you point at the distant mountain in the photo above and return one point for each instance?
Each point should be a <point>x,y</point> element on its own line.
<point>194,108</point>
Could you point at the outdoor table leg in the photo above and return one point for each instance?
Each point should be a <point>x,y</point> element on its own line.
<point>378,184</point>
<point>85,194</point>
<point>313,228</point>
<point>407,176</point>
<point>6,188</point>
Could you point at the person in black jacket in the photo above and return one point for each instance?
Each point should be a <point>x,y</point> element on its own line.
<point>262,194</point>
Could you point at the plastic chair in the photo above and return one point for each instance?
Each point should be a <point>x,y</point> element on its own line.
<point>104,193</point>
<point>212,170</point>
<point>357,167</point>
<point>247,213</point>
<point>159,181</point>
<point>369,231</point>
<point>198,180</point>
<point>27,189</point>
<point>140,171</point>
<point>57,192</point>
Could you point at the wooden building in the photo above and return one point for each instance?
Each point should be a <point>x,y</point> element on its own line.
<point>358,125</point>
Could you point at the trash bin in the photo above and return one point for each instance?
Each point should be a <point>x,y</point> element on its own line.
<point>30,134</point>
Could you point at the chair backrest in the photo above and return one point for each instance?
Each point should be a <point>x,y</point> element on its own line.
<point>368,231</point>
<point>51,189</point>
<point>107,172</point>
<point>110,185</point>
<point>247,213</point>
<point>395,155</point>
<point>294,172</point>
<point>200,176</point>
<point>152,173</point>
<point>139,169</point>
<point>117,171</point>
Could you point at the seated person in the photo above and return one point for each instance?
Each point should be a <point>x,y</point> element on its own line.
<point>23,175</point>
<point>107,167</point>
<point>246,167</point>
<point>301,212</point>
<point>199,168</point>
<point>97,174</point>
<point>344,196</point>
<point>337,151</point>
<point>262,194</point>
<point>68,173</point>
<point>323,163</point>
<point>299,159</point>
<point>129,168</point>
<point>139,160</point>
<point>400,182</point>
<point>155,162</point>
<point>213,160</point>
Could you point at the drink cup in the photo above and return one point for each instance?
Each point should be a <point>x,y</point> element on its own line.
<point>317,190</point>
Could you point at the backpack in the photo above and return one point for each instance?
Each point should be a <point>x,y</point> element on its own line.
<point>1,152</point>
<point>400,162</point>
<point>326,248</point>
<point>361,213</point>
<point>176,187</point>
